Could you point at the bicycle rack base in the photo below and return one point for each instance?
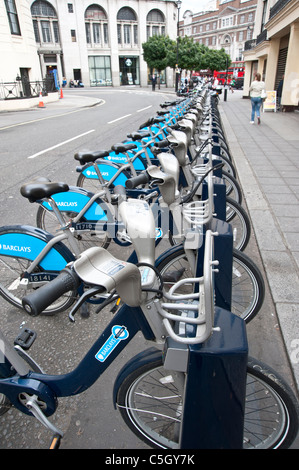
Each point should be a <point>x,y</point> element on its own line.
<point>216,388</point>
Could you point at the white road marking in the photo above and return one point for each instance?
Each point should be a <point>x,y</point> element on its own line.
<point>61,143</point>
<point>118,119</point>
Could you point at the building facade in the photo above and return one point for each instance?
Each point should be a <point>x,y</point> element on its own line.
<point>228,26</point>
<point>273,52</point>
<point>96,43</point>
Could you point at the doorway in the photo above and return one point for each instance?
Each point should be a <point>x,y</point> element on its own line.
<point>129,70</point>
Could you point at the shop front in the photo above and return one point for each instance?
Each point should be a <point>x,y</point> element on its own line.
<point>129,70</point>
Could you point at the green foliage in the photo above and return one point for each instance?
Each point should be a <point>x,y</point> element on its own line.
<point>155,52</point>
<point>160,52</point>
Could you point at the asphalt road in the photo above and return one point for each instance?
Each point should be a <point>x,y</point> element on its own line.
<point>42,142</point>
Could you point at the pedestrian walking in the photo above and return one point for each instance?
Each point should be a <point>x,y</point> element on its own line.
<point>154,81</point>
<point>256,90</point>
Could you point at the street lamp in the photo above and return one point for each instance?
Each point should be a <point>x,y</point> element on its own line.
<point>177,72</point>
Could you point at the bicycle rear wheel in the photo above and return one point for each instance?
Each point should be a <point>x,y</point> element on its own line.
<point>237,217</point>
<point>47,221</point>
<point>151,398</point>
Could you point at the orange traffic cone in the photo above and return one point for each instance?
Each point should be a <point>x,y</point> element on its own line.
<point>61,93</point>
<point>41,103</point>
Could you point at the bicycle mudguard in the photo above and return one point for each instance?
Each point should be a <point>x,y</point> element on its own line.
<point>27,242</point>
<point>75,200</point>
<point>145,357</point>
<point>139,163</point>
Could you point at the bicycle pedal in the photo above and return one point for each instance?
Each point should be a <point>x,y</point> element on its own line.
<point>55,444</point>
<point>25,339</point>
<point>115,306</point>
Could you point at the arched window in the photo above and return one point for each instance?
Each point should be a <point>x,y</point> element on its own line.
<point>155,23</point>
<point>45,22</point>
<point>155,16</point>
<point>126,14</point>
<point>96,26</point>
<point>127,27</point>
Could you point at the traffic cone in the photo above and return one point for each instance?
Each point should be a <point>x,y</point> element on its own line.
<point>41,103</point>
<point>61,93</point>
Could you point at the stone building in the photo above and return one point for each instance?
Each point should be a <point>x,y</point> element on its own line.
<point>274,49</point>
<point>99,43</point>
<point>227,26</point>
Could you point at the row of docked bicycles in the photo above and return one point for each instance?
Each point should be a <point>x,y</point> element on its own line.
<point>196,388</point>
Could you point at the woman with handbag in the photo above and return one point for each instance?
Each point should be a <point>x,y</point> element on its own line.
<point>257,94</point>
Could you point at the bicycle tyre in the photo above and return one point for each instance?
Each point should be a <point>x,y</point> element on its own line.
<point>233,189</point>
<point>5,404</point>
<point>90,184</point>
<point>248,288</point>
<point>13,266</point>
<point>150,401</point>
<point>238,218</point>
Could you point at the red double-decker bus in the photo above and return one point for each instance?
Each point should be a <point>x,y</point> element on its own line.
<point>235,70</point>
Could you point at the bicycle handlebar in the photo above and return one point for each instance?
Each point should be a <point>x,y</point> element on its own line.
<point>37,301</point>
<point>143,178</point>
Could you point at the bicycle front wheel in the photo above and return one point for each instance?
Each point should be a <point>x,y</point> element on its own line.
<point>151,401</point>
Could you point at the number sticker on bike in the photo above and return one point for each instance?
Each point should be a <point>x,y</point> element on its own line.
<point>118,333</point>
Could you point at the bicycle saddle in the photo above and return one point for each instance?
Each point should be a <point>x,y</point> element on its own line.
<point>87,157</point>
<point>138,135</point>
<point>39,190</point>
<point>119,148</point>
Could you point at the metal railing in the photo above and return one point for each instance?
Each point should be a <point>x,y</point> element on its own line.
<point>250,44</point>
<point>23,88</point>
<point>277,7</point>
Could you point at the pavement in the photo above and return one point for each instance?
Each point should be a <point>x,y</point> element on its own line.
<point>266,157</point>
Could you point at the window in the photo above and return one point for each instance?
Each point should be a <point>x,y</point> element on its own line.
<point>127,27</point>
<point>241,36</point>
<point>70,8</point>
<point>96,21</point>
<point>96,33</point>
<point>12,14</point>
<point>42,8</point>
<point>73,35</point>
<point>228,21</point>
<point>36,31</point>
<point>155,23</point>
<point>127,34</point>
<point>45,23</point>
<point>46,31</point>
<point>56,31</point>
<point>100,70</point>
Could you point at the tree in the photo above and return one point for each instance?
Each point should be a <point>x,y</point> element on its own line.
<point>216,59</point>
<point>155,52</point>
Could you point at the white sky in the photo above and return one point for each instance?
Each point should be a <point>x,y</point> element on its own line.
<point>195,5</point>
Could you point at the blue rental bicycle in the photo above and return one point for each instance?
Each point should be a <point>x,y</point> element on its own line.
<point>195,388</point>
<point>30,257</point>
